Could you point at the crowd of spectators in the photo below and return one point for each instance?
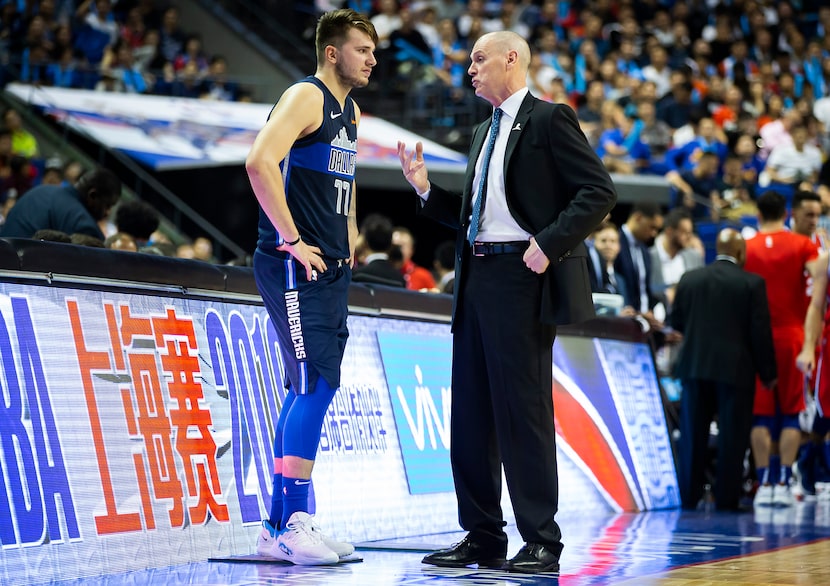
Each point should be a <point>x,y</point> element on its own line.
<point>724,99</point>
<point>383,256</point>
<point>132,46</point>
<point>70,205</point>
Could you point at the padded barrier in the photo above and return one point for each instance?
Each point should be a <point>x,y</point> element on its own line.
<point>8,256</point>
<point>239,279</point>
<point>69,259</point>
<point>36,256</point>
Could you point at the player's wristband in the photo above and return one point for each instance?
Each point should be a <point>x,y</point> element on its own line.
<point>287,243</point>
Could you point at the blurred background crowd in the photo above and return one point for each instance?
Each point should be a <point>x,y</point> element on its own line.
<point>722,99</point>
<point>137,46</point>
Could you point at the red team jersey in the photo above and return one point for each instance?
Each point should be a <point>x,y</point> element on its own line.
<point>779,258</point>
<point>822,370</point>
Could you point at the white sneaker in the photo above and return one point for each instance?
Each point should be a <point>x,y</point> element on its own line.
<point>298,544</point>
<point>266,541</point>
<point>823,492</point>
<point>341,548</point>
<point>782,496</point>
<point>763,496</point>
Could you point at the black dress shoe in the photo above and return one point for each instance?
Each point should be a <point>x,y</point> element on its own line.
<point>467,552</point>
<point>533,559</point>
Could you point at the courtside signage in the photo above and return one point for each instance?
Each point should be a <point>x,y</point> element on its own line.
<point>136,430</point>
<point>417,369</point>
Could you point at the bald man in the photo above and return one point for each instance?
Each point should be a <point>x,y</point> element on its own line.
<point>534,191</point>
<point>723,314</point>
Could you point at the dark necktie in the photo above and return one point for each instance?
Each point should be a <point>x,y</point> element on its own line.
<point>478,204</point>
<point>610,282</point>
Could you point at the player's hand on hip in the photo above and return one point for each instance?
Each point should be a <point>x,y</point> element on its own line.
<point>536,260</point>
<point>308,256</point>
<point>413,166</point>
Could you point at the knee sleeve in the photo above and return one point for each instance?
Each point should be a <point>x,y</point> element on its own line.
<point>280,430</point>
<point>302,425</point>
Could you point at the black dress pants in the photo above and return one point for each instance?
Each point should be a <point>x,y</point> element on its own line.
<point>700,401</point>
<point>502,405</point>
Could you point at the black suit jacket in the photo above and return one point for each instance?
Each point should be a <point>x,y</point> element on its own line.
<point>557,189</point>
<point>723,313</point>
<point>624,265</point>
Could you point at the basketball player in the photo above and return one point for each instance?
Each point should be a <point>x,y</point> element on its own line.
<point>815,325</point>
<point>301,168</point>
<point>781,258</point>
<point>806,212</point>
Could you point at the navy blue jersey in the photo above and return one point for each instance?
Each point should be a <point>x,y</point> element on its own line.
<point>317,174</point>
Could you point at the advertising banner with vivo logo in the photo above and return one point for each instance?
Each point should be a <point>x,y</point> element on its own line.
<point>418,374</point>
<point>610,426</point>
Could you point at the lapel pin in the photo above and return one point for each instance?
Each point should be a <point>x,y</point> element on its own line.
<point>518,126</point>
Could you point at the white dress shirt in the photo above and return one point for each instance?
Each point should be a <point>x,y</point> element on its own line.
<point>497,223</point>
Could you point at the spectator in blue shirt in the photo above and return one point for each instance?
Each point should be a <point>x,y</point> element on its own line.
<point>694,189</point>
<point>708,138</point>
<point>621,149</point>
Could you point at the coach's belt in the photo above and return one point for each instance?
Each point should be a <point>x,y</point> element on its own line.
<point>488,248</point>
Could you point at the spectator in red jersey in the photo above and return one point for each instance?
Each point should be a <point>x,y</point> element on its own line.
<point>416,277</point>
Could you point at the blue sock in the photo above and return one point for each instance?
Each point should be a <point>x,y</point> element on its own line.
<point>275,519</point>
<point>763,475</point>
<point>786,474</point>
<point>294,497</point>
<point>774,469</point>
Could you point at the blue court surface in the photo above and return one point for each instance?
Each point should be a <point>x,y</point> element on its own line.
<point>616,549</point>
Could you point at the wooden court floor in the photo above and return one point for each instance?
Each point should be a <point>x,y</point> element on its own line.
<point>798,564</point>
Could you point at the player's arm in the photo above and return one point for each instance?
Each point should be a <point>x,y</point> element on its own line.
<point>814,321</point>
<point>298,113</point>
<point>352,219</point>
<point>352,224</point>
